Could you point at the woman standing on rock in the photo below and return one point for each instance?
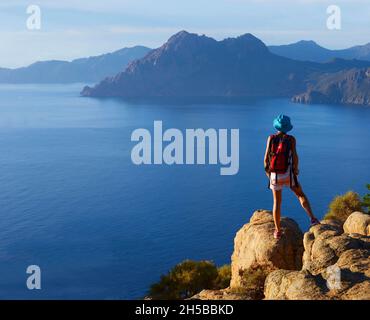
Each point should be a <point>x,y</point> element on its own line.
<point>281,166</point>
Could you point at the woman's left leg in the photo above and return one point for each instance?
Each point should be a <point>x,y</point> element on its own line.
<point>297,189</point>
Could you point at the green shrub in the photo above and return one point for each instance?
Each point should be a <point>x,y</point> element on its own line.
<point>253,281</point>
<point>223,277</point>
<point>342,206</point>
<point>254,278</point>
<point>189,278</point>
<point>366,202</point>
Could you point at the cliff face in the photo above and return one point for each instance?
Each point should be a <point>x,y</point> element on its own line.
<point>326,263</point>
<point>344,87</point>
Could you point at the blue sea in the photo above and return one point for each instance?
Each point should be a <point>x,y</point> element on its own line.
<point>100,227</point>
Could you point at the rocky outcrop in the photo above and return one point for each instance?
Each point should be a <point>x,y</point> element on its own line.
<point>254,244</point>
<point>330,261</point>
<point>294,285</point>
<point>358,222</point>
<point>336,265</point>
<point>343,87</point>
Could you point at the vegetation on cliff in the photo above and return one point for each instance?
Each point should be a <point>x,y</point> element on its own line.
<point>188,278</point>
<point>295,267</point>
<point>342,206</point>
<point>366,202</point>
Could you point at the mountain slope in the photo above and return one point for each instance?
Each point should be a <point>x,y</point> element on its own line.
<point>90,69</point>
<point>311,51</point>
<point>192,65</point>
<point>343,87</point>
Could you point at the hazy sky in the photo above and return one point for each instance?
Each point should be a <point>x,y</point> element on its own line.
<point>72,28</point>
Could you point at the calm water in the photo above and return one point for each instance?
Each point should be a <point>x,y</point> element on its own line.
<point>100,227</point>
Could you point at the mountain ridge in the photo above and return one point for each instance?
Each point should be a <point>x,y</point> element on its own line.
<point>309,50</point>
<point>89,69</point>
<point>191,65</point>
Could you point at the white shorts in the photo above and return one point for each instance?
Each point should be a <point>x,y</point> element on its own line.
<point>283,180</point>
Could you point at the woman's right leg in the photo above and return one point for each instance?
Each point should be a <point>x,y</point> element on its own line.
<point>276,211</point>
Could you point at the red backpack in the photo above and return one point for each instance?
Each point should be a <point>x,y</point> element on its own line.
<point>279,153</point>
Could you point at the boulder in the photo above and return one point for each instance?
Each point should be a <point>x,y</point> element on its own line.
<point>329,255</point>
<point>325,243</point>
<point>294,285</point>
<point>358,222</point>
<point>360,291</point>
<point>254,245</point>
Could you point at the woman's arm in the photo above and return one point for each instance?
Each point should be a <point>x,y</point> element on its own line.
<point>295,157</point>
<point>266,159</point>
